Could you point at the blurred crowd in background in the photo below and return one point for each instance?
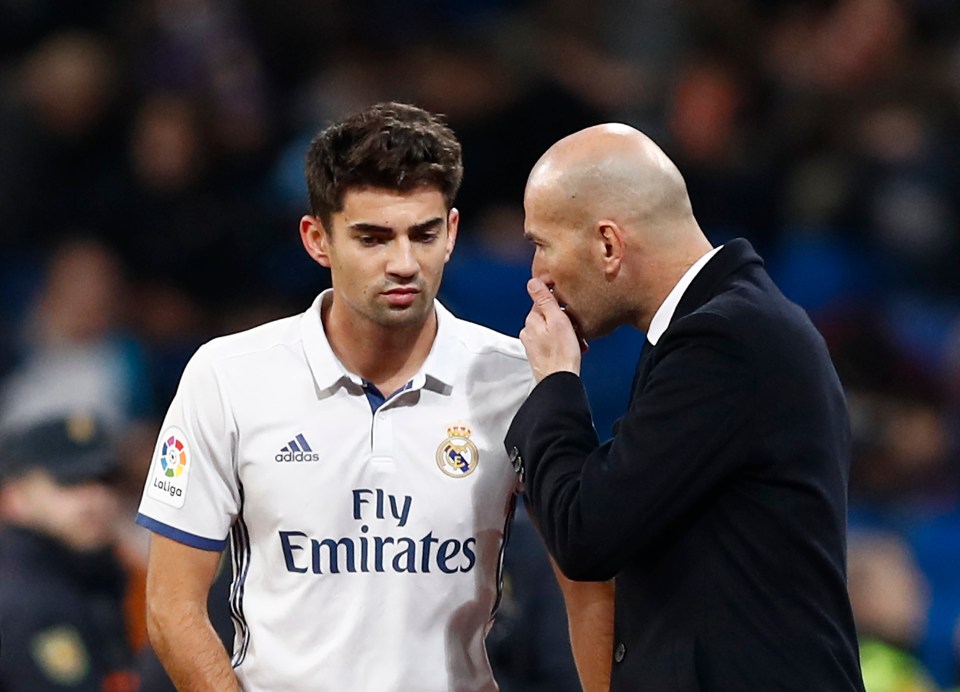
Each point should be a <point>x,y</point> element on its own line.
<point>151,156</point>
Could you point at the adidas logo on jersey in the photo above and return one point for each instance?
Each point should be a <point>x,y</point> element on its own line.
<point>297,449</point>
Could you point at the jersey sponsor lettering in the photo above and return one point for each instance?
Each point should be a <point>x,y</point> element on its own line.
<point>365,552</point>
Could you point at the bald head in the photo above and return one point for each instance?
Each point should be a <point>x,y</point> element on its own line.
<point>612,171</point>
<point>611,220</point>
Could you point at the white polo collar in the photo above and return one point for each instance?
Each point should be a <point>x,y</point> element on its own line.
<point>439,368</point>
<point>663,315</point>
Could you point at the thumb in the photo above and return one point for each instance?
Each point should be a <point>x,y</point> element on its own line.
<point>542,297</point>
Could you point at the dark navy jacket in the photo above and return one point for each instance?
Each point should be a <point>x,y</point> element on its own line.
<point>61,617</point>
<point>719,505</point>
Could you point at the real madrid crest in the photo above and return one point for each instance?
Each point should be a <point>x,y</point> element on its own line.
<point>457,456</point>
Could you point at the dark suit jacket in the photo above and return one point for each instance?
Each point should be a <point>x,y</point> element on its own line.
<point>720,504</point>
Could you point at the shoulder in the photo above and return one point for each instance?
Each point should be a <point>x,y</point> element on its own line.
<point>251,350</point>
<point>750,316</point>
<point>490,363</point>
<point>244,349</point>
<point>480,342</point>
<point>265,337</point>
<point>483,340</point>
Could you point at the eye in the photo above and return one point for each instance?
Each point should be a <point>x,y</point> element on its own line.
<point>426,237</point>
<point>370,240</point>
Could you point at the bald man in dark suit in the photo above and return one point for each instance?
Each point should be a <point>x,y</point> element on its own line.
<point>718,509</point>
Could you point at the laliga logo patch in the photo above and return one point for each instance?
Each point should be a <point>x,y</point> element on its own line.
<point>168,478</point>
<point>173,457</point>
<point>457,456</point>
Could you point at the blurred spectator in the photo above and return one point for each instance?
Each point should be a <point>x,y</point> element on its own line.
<point>725,160</point>
<point>59,143</point>
<point>505,112</point>
<point>22,24</point>
<point>907,189</point>
<point>168,223</point>
<point>901,447</point>
<point>75,354</point>
<point>889,599</point>
<point>60,586</point>
<point>837,46</point>
<point>203,49</point>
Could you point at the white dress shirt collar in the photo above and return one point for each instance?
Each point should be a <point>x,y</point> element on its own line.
<point>661,319</point>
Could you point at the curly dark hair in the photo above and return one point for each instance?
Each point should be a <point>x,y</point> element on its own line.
<point>388,145</point>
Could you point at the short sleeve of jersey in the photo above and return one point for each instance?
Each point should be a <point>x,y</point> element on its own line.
<point>191,494</point>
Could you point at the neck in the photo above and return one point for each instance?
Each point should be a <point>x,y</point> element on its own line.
<point>388,356</point>
<point>665,272</point>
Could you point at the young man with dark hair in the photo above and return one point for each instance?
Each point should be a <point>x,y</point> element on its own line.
<point>351,454</point>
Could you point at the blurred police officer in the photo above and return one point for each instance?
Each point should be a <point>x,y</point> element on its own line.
<point>61,588</point>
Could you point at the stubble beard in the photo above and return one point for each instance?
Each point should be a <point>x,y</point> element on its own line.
<point>401,317</point>
<point>603,315</point>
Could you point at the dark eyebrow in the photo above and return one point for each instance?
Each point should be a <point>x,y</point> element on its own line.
<point>370,228</point>
<point>427,225</point>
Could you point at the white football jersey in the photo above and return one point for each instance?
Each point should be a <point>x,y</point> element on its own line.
<point>367,544</point>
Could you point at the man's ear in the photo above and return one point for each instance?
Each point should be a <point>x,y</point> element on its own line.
<point>610,236</point>
<point>315,240</point>
<point>453,224</point>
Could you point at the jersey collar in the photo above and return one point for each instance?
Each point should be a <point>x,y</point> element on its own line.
<point>440,366</point>
<point>437,372</point>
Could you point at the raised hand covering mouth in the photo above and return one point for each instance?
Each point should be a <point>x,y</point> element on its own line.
<point>584,346</point>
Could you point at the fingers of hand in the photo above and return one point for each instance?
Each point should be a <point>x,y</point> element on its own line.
<point>535,320</point>
<point>543,299</point>
<point>545,306</point>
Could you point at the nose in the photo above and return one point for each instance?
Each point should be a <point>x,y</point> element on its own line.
<point>403,259</point>
<point>538,270</point>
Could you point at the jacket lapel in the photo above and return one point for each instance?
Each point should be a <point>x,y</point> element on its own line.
<point>706,284</point>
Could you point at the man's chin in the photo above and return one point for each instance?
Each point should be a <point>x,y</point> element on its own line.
<point>404,315</point>
<point>591,331</point>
